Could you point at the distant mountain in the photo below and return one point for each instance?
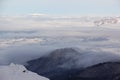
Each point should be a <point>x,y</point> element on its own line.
<point>58,64</point>
<point>61,64</point>
<point>103,71</point>
<point>108,21</point>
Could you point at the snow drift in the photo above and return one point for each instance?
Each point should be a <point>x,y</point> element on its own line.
<point>18,72</point>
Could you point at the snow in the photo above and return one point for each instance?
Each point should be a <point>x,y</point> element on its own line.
<point>18,72</point>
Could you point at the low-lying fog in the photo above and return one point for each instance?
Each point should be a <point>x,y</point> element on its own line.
<point>21,46</point>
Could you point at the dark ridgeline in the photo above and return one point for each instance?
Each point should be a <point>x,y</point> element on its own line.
<point>60,65</point>
<point>102,71</point>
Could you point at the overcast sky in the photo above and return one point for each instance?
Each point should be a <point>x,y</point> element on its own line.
<point>60,7</point>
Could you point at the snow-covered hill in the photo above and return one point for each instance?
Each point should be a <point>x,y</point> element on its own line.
<point>18,72</point>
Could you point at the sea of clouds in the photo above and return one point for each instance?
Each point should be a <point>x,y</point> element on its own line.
<point>23,38</point>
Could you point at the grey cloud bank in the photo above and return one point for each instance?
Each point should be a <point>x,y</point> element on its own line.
<point>21,41</point>
<point>41,21</point>
<point>96,43</point>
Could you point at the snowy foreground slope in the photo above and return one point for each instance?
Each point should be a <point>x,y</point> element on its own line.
<point>18,72</point>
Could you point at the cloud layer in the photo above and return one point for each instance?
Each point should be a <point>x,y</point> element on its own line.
<point>23,38</point>
<point>42,21</point>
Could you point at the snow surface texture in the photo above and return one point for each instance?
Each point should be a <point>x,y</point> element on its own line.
<point>18,72</point>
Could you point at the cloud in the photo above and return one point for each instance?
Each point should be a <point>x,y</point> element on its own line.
<point>40,21</point>
<point>23,38</point>
<point>37,14</point>
<point>19,41</point>
<point>33,21</point>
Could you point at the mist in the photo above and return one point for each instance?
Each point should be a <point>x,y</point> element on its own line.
<point>96,45</point>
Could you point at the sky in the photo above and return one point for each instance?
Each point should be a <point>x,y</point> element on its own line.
<point>60,7</point>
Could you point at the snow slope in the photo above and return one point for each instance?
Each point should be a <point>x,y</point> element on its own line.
<point>18,72</point>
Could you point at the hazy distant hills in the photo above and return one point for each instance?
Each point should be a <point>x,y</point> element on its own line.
<point>108,21</point>
<point>61,64</point>
<point>103,71</point>
<point>58,65</point>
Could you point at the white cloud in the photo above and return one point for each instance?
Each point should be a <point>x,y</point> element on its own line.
<point>53,32</point>
<point>38,21</point>
<point>19,41</point>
